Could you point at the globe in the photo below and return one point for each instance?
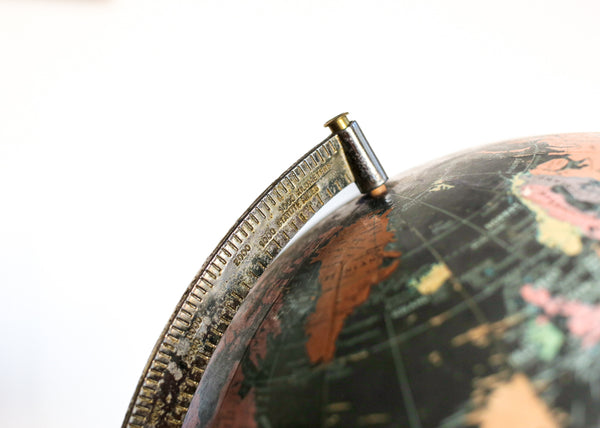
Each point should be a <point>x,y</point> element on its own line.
<point>469,295</point>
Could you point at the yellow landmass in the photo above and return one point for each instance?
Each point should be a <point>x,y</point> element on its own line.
<point>555,233</point>
<point>440,185</point>
<point>552,233</point>
<point>432,280</point>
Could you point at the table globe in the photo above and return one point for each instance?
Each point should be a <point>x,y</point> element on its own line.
<point>469,295</point>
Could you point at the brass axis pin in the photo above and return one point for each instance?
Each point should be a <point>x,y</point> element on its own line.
<point>339,123</point>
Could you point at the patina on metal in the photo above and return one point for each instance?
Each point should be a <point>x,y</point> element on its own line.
<point>184,348</point>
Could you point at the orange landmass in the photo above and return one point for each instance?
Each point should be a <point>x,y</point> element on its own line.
<point>582,150</point>
<point>351,263</point>
<point>483,335</point>
<point>513,403</point>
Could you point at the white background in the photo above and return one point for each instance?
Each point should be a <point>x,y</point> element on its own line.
<point>134,133</point>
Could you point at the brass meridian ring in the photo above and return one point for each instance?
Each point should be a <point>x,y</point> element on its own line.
<point>185,346</point>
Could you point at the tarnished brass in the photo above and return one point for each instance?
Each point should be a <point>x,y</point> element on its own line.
<point>185,347</point>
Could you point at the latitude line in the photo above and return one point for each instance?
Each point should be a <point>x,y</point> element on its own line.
<point>438,236</point>
<point>469,300</point>
<point>501,243</point>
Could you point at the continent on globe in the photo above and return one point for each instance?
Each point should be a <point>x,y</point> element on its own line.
<point>351,263</point>
<point>468,296</point>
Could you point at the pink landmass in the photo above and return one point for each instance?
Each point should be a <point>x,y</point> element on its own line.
<point>558,208</point>
<point>583,319</point>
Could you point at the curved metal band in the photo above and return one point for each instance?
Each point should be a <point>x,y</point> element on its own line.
<point>184,348</point>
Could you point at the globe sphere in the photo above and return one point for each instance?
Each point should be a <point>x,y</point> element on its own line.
<point>468,296</point>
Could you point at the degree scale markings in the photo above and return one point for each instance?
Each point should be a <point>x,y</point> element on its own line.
<point>184,348</point>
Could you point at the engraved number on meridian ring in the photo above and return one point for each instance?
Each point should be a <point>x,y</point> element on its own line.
<point>242,254</point>
<point>269,234</point>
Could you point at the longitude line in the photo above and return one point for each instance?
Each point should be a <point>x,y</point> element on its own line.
<point>458,287</point>
<point>409,402</point>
